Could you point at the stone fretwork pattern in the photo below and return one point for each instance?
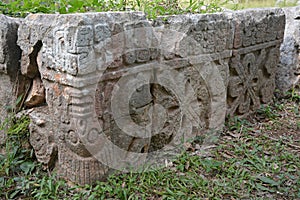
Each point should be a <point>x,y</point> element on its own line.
<point>257,39</point>
<point>116,91</point>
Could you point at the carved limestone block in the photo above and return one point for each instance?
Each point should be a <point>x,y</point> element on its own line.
<point>258,35</point>
<point>123,92</point>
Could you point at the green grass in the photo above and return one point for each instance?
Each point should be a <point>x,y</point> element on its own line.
<point>245,164</point>
<point>153,8</point>
<point>260,3</point>
<point>236,169</point>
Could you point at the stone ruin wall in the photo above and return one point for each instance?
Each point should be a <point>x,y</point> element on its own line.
<point>102,88</point>
<point>288,71</point>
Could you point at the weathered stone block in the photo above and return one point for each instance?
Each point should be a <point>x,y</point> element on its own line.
<point>12,82</point>
<point>122,91</point>
<point>118,91</point>
<point>257,38</point>
<point>288,72</point>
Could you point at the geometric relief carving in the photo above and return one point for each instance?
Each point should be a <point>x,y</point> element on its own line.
<point>157,105</point>
<point>252,80</point>
<point>71,48</point>
<point>112,88</point>
<point>168,111</point>
<point>150,107</point>
<point>258,35</point>
<point>243,84</point>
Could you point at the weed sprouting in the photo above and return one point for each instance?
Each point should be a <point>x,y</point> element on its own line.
<point>238,124</point>
<point>267,111</point>
<point>247,166</point>
<point>153,8</point>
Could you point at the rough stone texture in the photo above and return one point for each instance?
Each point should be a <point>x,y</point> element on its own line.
<point>287,2</point>
<point>12,82</point>
<point>115,90</point>
<point>119,82</point>
<point>258,35</point>
<point>36,95</point>
<point>288,72</point>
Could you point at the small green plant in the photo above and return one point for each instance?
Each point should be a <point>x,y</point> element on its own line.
<point>211,165</point>
<point>267,111</point>
<point>153,8</point>
<point>295,95</point>
<point>287,3</point>
<point>18,157</point>
<point>238,124</point>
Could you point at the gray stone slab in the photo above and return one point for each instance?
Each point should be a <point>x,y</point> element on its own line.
<point>11,81</point>
<point>288,72</point>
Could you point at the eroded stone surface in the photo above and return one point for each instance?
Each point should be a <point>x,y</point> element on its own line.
<point>12,82</point>
<point>36,95</point>
<point>42,137</point>
<point>119,87</point>
<point>122,91</point>
<point>258,35</point>
<point>288,72</point>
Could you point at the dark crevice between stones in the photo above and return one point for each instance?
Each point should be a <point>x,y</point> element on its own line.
<point>33,70</point>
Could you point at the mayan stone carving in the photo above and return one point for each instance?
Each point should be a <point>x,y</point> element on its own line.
<point>117,91</point>
<point>120,90</point>
<point>258,35</point>
<point>288,72</point>
<point>13,84</point>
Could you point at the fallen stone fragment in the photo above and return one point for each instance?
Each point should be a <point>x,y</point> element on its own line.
<point>36,94</point>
